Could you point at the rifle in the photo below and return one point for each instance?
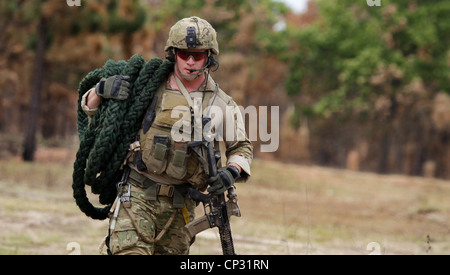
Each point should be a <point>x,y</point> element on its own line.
<point>217,209</point>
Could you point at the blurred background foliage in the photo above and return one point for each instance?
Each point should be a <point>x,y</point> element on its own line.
<point>359,87</point>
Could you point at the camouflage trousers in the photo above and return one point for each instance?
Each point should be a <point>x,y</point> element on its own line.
<point>139,224</point>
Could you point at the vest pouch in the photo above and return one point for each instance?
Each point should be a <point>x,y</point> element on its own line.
<point>177,167</point>
<point>157,160</point>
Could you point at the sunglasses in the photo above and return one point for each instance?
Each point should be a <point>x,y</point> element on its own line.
<point>185,55</point>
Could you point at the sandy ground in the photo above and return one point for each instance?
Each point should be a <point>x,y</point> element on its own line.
<point>302,210</point>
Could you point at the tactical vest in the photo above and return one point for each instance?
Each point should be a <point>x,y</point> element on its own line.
<point>167,158</point>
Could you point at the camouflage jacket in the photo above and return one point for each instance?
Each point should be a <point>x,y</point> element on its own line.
<point>227,124</point>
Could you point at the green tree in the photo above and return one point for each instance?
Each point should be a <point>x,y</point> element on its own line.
<point>374,66</point>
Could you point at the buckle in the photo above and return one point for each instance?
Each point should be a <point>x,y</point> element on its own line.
<point>165,190</point>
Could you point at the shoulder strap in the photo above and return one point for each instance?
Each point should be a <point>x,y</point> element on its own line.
<point>184,91</point>
<point>196,110</point>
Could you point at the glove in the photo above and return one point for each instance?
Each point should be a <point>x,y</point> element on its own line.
<point>225,178</point>
<point>116,87</point>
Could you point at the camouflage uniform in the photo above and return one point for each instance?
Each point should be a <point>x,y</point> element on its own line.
<point>153,222</point>
<point>139,224</point>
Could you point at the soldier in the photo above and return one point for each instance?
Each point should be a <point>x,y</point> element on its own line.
<point>162,167</point>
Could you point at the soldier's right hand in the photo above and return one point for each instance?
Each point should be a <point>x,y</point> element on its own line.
<point>116,87</point>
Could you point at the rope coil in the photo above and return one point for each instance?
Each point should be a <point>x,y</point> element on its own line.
<point>104,141</point>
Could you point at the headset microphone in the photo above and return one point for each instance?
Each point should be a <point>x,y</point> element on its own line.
<point>202,69</point>
<point>192,70</point>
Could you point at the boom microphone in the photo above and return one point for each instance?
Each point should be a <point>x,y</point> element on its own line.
<point>202,69</point>
<point>192,70</point>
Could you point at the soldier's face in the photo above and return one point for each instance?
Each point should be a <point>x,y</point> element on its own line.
<point>190,60</point>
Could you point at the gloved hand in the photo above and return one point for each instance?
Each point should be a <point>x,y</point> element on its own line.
<point>116,87</point>
<point>225,178</point>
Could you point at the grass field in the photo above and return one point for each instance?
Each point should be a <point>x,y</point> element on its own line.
<point>286,209</point>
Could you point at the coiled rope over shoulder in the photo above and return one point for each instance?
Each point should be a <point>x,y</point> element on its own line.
<point>104,141</point>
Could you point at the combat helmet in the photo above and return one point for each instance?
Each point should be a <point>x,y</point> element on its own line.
<point>192,33</point>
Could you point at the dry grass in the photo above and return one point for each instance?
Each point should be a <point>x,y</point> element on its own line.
<point>333,211</point>
<point>287,209</point>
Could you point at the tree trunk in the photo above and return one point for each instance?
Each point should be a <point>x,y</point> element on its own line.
<point>36,90</point>
<point>383,161</point>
